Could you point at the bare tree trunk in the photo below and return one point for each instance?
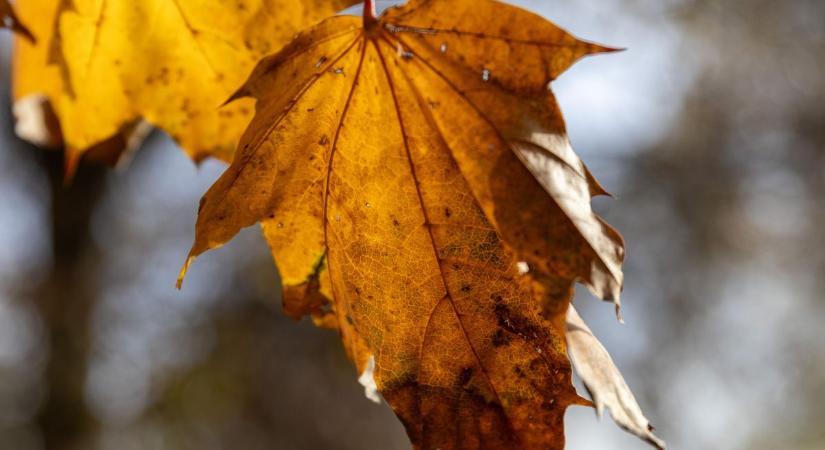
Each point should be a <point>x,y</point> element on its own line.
<point>65,301</point>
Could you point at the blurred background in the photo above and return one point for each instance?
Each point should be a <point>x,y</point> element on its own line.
<point>710,132</point>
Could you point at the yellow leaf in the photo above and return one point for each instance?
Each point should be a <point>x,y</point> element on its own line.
<point>32,72</point>
<point>10,20</point>
<point>406,168</point>
<point>170,62</point>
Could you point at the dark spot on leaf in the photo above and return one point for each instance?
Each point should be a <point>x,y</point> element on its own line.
<point>465,375</point>
<point>548,404</point>
<point>513,322</point>
<point>500,338</point>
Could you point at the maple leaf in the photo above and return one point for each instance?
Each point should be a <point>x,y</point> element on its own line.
<point>10,20</point>
<point>404,168</point>
<point>36,79</point>
<point>170,62</point>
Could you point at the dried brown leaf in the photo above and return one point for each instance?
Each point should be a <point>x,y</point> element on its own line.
<point>604,381</point>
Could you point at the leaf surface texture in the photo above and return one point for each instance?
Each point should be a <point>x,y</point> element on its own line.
<point>401,170</point>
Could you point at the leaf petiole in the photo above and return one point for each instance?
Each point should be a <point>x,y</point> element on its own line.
<point>370,19</point>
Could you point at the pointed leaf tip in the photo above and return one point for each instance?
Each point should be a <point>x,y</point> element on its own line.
<point>606,49</point>
<point>239,94</point>
<point>70,165</point>
<point>596,48</point>
<point>182,274</point>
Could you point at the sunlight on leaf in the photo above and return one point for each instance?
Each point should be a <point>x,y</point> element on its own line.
<point>171,63</point>
<point>402,167</point>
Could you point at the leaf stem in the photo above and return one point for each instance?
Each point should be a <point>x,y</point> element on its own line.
<point>370,19</point>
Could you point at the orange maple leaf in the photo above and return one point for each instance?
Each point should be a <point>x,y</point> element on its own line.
<point>405,168</point>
